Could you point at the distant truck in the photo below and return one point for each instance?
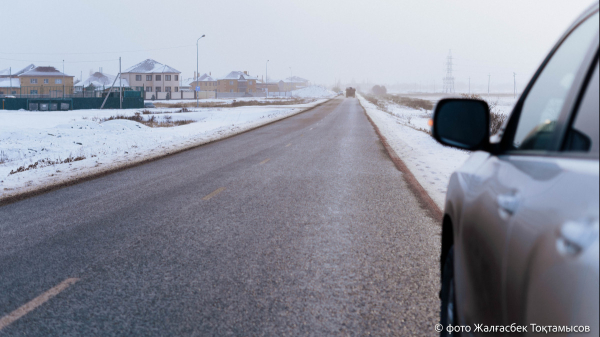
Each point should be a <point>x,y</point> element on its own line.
<point>350,92</point>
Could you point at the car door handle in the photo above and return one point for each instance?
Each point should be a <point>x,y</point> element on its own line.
<point>508,203</point>
<point>576,236</point>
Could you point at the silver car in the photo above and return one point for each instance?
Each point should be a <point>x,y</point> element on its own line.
<point>520,229</point>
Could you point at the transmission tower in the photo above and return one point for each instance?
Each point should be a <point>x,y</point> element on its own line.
<point>449,79</point>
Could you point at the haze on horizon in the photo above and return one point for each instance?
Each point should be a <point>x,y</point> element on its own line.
<point>383,42</point>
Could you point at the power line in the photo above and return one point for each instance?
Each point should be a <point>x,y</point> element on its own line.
<point>46,61</point>
<point>95,53</point>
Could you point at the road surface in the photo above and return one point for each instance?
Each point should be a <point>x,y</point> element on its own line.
<point>303,227</point>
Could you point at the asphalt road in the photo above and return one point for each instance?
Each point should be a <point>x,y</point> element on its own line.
<point>300,228</point>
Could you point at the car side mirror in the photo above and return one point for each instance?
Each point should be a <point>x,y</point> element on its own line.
<point>462,123</point>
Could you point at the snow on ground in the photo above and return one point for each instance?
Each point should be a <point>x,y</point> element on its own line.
<point>53,139</point>
<point>406,130</point>
<point>313,91</point>
<point>430,162</point>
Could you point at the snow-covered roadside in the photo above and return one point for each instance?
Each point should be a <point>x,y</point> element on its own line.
<point>430,162</point>
<point>71,145</point>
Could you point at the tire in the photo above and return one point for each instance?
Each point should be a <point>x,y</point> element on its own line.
<point>448,310</point>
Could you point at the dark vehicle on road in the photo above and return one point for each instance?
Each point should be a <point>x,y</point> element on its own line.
<point>520,226</point>
<point>350,92</point>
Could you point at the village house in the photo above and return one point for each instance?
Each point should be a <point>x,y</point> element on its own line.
<point>206,83</point>
<point>9,86</point>
<point>152,76</point>
<point>237,81</point>
<point>294,83</point>
<point>45,81</point>
<point>101,81</point>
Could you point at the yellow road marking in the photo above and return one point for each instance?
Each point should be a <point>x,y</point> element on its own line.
<point>265,161</point>
<point>215,192</point>
<point>288,144</point>
<point>36,302</point>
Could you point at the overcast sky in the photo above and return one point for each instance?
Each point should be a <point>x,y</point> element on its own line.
<point>399,41</point>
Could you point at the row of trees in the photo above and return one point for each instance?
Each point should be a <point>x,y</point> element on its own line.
<point>379,90</point>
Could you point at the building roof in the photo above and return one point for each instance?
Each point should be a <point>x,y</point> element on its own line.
<point>6,82</point>
<point>238,75</point>
<point>44,71</point>
<point>7,72</point>
<point>101,80</point>
<point>150,66</point>
<point>205,78</point>
<point>295,79</point>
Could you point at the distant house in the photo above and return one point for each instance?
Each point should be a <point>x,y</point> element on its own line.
<point>45,81</point>
<point>293,83</point>
<point>9,86</point>
<point>152,76</point>
<point>272,85</point>
<point>100,81</point>
<point>237,81</point>
<point>14,73</point>
<point>205,82</point>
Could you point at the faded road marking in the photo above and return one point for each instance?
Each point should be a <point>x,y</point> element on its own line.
<point>265,161</point>
<point>36,302</point>
<point>288,144</point>
<point>215,192</point>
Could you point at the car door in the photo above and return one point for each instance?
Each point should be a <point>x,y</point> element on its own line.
<point>563,184</point>
<point>499,187</point>
<point>552,274</point>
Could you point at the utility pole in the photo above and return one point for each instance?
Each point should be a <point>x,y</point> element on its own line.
<point>63,79</point>
<point>489,79</point>
<point>514,85</point>
<point>121,86</point>
<point>469,85</point>
<point>197,93</point>
<point>267,77</point>
<point>290,81</point>
<point>10,78</point>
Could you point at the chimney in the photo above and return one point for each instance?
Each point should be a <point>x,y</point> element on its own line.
<point>245,72</point>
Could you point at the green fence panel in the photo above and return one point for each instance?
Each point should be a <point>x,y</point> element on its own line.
<point>13,103</point>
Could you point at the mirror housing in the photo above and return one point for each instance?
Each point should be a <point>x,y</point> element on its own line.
<point>462,123</point>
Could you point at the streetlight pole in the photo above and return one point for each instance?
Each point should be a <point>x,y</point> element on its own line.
<point>291,81</point>
<point>267,77</point>
<point>197,69</point>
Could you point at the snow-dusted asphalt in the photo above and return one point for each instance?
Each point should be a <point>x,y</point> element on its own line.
<point>303,228</point>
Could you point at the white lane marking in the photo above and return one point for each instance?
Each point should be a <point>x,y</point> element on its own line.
<point>36,302</point>
<point>265,161</point>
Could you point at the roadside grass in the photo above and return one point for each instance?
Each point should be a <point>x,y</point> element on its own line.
<point>496,118</point>
<point>3,157</point>
<point>383,101</point>
<point>152,121</point>
<point>158,112</point>
<point>47,162</point>
<point>235,103</point>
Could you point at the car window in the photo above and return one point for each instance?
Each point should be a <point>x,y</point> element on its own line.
<point>583,134</point>
<point>544,102</point>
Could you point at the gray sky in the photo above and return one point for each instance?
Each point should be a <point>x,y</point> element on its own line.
<point>382,41</point>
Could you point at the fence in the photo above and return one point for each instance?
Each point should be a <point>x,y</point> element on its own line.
<point>179,95</point>
<point>74,103</point>
<point>42,91</point>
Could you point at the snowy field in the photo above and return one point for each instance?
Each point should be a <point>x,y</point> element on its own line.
<point>406,130</point>
<point>47,148</point>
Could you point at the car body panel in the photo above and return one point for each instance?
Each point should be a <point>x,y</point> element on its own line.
<point>516,217</point>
